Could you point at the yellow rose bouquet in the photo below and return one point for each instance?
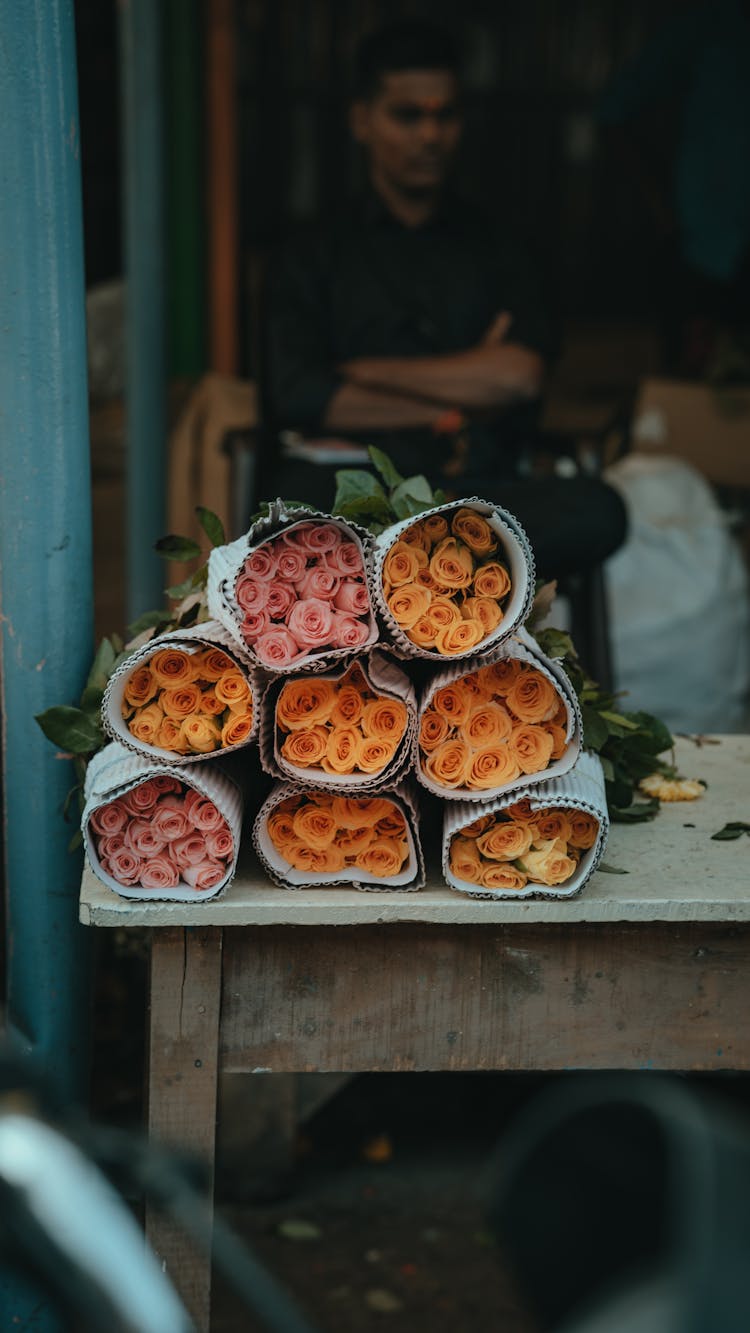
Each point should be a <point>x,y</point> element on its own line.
<point>311,838</point>
<point>511,721</point>
<point>351,729</point>
<point>542,840</point>
<point>185,695</point>
<point>454,581</point>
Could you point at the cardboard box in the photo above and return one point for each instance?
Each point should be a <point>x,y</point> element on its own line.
<point>707,427</point>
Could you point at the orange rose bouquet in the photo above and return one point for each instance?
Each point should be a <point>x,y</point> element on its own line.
<point>511,721</point>
<point>313,838</point>
<point>454,580</point>
<point>150,832</point>
<point>185,695</point>
<point>350,729</point>
<point>548,839</point>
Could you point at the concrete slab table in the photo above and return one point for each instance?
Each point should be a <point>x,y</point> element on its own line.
<point>645,970</point>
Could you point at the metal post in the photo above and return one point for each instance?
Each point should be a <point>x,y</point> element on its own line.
<point>185,203</point>
<point>45,543</point>
<point>141,77</point>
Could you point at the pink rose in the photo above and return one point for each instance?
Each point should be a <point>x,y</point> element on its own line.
<point>281,599</point>
<point>322,537</point>
<point>348,632</point>
<point>346,559</point>
<point>251,593</point>
<point>110,845</point>
<point>110,818</point>
<point>159,873</point>
<point>188,851</point>
<point>297,535</point>
<point>169,823</point>
<point>202,812</point>
<point>124,866</point>
<point>141,798</point>
<point>353,597</point>
<point>254,624</point>
<point>292,563</point>
<point>319,581</point>
<point>311,623</point>
<point>166,784</point>
<point>220,844</point>
<point>142,839</point>
<point>204,876</point>
<point>276,648</point>
<point>261,563</point>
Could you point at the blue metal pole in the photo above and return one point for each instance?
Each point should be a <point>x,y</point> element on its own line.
<point>46,629</point>
<point>141,90</point>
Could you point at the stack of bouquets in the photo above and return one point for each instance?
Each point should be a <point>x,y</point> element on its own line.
<point>316,628</point>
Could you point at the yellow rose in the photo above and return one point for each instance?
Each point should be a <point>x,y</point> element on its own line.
<point>402,564</point>
<point>547,865</point>
<point>506,841</point>
<point>146,723</point>
<point>408,603</point>
<point>200,734</point>
<point>452,564</point>
<point>502,875</point>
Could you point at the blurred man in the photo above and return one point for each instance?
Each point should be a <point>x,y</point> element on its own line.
<point>413,322</point>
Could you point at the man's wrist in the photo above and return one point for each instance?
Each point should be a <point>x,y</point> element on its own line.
<point>450,422</point>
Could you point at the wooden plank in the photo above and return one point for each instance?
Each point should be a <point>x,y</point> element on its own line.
<point>410,997</point>
<point>183,1069</point>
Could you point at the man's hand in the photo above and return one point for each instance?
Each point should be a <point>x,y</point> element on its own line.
<point>498,330</point>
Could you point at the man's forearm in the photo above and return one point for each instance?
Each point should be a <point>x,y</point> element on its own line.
<point>355,407</point>
<point>483,377</point>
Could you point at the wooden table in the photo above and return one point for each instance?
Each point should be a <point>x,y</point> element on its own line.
<point>646,970</point>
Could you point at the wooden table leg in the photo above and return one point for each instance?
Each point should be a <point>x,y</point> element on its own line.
<point>185,995</point>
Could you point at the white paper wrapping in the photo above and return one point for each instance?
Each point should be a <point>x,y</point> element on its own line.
<point>517,553</point>
<point>225,565</point>
<point>580,789</point>
<point>524,647</point>
<point>114,771</point>
<point>210,634</point>
<point>384,677</point>
<point>412,876</point>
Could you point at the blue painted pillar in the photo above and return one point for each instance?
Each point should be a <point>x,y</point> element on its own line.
<point>141,90</point>
<point>46,634</point>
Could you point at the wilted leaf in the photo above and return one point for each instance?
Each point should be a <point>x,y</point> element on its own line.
<point>73,730</point>
<point>607,869</point>
<point>177,548</point>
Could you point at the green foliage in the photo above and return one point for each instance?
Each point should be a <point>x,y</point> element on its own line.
<point>211,524</point>
<point>177,548</point>
<point>730,832</point>
<point>72,729</point>
<point>362,498</point>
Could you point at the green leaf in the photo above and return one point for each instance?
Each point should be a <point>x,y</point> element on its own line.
<point>91,699</point>
<point>636,813</point>
<point>76,841</point>
<point>418,489</point>
<point>73,730</point>
<point>618,720</point>
<point>439,497</point>
<point>197,580</point>
<point>406,505</point>
<point>73,792</point>
<point>116,642</point>
<point>730,831</point>
<point>102,665</point>
<point>659,735</point>
<point>611,870</point>
<point>147,621</point>
<point>357,484</point>
<point>595,731</point>
<point>211,524</point>
<point>382,464</point>
<point>177,548</point>
<point>608,768</point>
<point>555,643</point>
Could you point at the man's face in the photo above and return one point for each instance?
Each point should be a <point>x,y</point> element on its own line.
<point>410,128</point>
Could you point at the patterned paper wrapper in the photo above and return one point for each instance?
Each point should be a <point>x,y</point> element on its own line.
<point>411,877</point>
<point>384,677</point>
<point>580,789</point>
<point>225,566</point>
<point>211,634</point>
<point>516,551</point>
<point>114,771</point>
<point>524,647</point>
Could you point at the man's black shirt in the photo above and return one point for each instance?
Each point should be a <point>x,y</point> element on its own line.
<point>366,286</point>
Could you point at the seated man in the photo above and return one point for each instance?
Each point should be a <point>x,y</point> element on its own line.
<point>410,321</point>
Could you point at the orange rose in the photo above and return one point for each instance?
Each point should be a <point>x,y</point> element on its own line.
<point>352,841</point>
<point>200,734</point>
<point>547,864</point>
<point>408,603</point>
<point>459,638</point>
<point>209,703</point>
<point>416,536</point>
<point>402,564</point>
<point>140,686</point>
<point>471,684</point>
<point>485,610</point>
<point>584,829</point>
<point>532,697</point>
<point>384,719</point>
<point>453,702</point>
<point>551,825</point>
<point>560,718</point>
<point>486,724</point>
<point>211,663</point>
<point>347,709</point>
<point>233,689</point>
<point>383,858</point>
<point>304,703</point>
<point>314,825</point>
<point>374,754</point>
<point>475,531</point>
<point>181,701</point>
<point>425,580</point>
<point>314,861</point>
<point>559,739</point>
<point>351,813</point>
<point>452,564</point>
<point>168,736</point>
<point>501,875</point>
<point>423,632</point>
<point>492,580</point>
<point>433,730</point>
<point>306,748</point>
<point>521,811</point>
<point>477,826</point>
<point>500,676</point>
<point>443,612</point>
<point>491,766</point>
<point>505,842</point>
<point>280,825</point>
<point>464,860</point>
<point>448,764</point>
<point>532,747</point>
<point>435,527</point>
<point>171,666</point>
<point>237,728</point>
<point>392,825</point>
<point>342,747</point>
<point>146,723</point>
